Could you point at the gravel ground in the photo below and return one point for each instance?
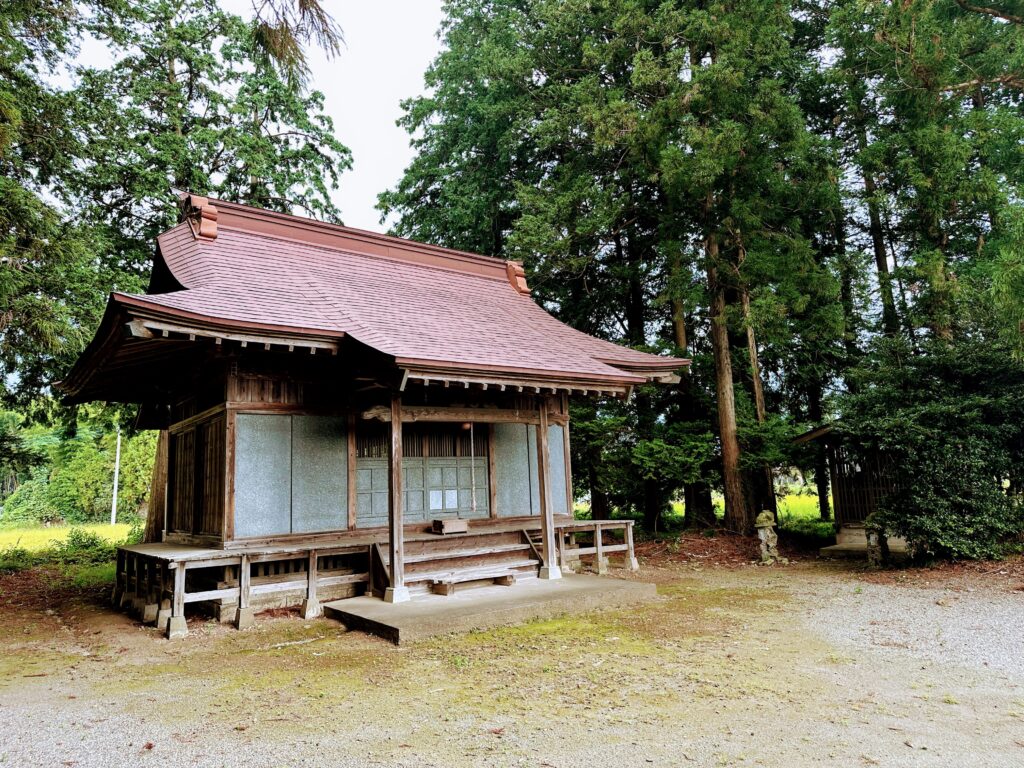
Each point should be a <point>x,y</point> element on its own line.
<point>975,628</point>
<point>809,665</point>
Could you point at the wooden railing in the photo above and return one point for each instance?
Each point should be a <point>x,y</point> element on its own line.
<point>571,552</point>
<point>155,587</point>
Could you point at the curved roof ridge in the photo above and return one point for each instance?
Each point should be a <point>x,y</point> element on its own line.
<point>360,241</point>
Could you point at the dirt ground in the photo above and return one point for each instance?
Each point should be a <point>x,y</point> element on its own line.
<point>808,664</point>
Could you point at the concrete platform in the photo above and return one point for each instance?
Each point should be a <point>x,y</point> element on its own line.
<point>897,553</point>
<point>427,615</point>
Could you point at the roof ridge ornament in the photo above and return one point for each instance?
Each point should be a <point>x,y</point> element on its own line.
<point>200,214</point>
<point>517,276</point>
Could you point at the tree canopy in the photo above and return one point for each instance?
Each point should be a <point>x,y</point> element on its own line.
<point>768,188</point>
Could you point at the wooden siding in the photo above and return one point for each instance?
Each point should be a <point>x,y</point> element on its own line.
<point>859,485</point>
<point>197,478</point>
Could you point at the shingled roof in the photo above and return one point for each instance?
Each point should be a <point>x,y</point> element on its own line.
<point>438,313</point>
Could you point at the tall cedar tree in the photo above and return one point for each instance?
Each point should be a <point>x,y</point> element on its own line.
<point>642,146</point>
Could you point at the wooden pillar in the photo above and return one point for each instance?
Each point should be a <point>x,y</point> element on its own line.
<point>396,592</point>
<point>120,578</point>
<point>176,626</point>
<point>550,569</point>
<point>244,617</point>
<point>139,592</point>
<point>600,560</point>
<point>164,597</point>
<point>350,435</point>
<point>125,599</point>
<point>151,603</point>
<point>570,500</point>
<point>631,562</point>
<point>311,605</point>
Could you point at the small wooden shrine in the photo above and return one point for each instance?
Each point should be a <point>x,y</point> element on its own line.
<point>328,398</point>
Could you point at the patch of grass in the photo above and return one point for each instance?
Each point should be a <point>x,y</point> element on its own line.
<point>81,547</point>
<point>73,546</point>
<point>16,559</point>
<point>92,576</point>
<point>39,537</point>
<point>800,521</point>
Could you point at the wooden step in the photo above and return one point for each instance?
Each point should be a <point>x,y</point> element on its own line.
<point>500,576</point>
<point>458,573</point>
<point>451,554</point>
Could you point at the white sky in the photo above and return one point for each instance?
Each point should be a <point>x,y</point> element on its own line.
<point>388,45</point>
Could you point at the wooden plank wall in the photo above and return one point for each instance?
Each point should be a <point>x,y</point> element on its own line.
<point>197,478</point>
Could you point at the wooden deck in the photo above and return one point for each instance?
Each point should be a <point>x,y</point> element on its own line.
<point>157,581</point>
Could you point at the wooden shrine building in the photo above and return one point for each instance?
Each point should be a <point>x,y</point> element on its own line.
<point>327,396</point>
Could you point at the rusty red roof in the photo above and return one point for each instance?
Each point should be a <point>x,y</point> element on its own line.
<point>431,309</point>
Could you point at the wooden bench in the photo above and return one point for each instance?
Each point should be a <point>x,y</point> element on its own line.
<point>445,585</point>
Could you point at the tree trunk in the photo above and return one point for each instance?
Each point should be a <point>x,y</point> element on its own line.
<point>600,508</point>
<point>157,504</point>
<point>762,482</point>
<point>737,514</point>
<point>698,509</point>
<point>890,322</point>
<point>814,410</point>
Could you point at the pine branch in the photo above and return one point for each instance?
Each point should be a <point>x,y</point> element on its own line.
<point>989,11</point>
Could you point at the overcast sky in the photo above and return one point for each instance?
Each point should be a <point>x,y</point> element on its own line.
<point>388,45</point>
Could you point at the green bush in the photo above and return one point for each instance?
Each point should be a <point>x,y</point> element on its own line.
<point>30,503</point>
<point>81,547</point>
<point>15,559</point>
<point>950,419</point>
<point>74,484</point>
<point>954,507</point>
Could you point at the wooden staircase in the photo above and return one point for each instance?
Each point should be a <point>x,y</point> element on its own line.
<point>439,563</point>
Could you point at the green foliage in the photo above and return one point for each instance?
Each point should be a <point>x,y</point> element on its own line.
<point>951,419</point>
<point>81,547</point>
<point>960,511</point>
<point>192,103</point>
<point>16,558</point>
<point>857,168</point>
<point>196,98</point>
<point>83,554</point>
<point>31,503</point>
<point>75,484</point>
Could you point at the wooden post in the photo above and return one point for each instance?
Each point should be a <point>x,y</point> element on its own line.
<point>125,598</point>
<point>139,590</point>
<point>602,561</point>
<point>120,577</point>
<point>176,626</point>
<point>151,603</point>
<point>230,433</point>
<point>492,488</point>
<point>396,592</point>
<point>163,614</point>
<point>311,606</point>
<point>550,569</point>
<point>350,435</point>
<point>631,562</point>
<point>244,617</point>
<point>570,501</point>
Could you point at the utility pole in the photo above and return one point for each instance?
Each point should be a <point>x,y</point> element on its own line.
<point>117,477</point>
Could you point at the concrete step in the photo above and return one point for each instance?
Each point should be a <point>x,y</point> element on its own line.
<point>427,615</point>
